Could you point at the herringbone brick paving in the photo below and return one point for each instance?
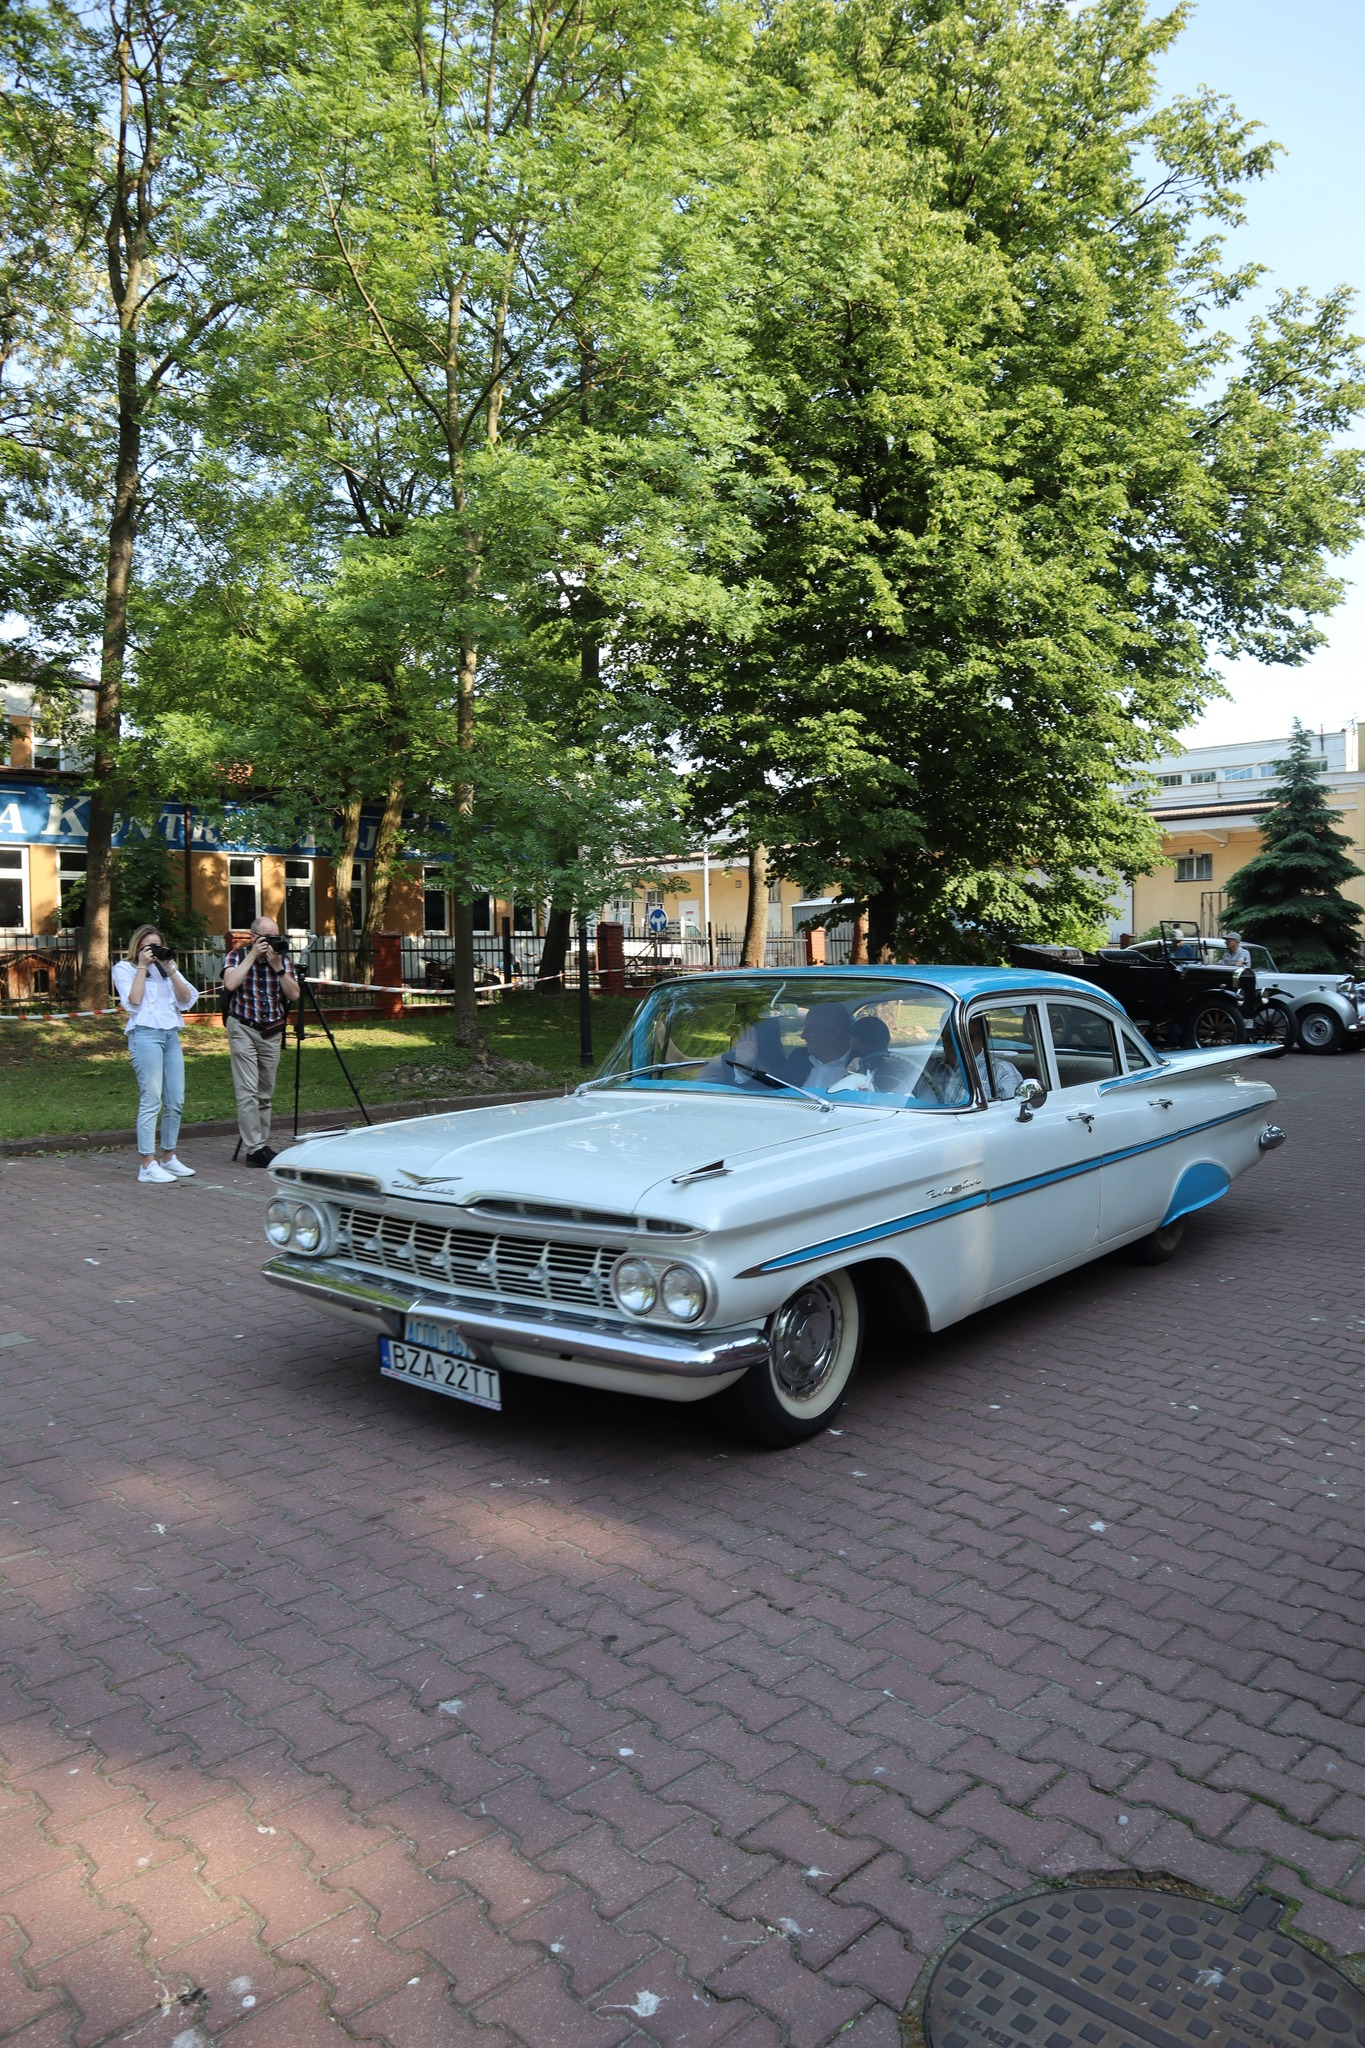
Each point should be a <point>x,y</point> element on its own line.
<point>333,1712</point>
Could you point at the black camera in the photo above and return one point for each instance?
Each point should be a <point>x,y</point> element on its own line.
<point>162,953</point>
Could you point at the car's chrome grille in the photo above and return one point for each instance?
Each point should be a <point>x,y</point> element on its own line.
<point>478,1262</point>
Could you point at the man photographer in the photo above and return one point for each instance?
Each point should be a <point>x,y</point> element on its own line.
<point>259,984</point>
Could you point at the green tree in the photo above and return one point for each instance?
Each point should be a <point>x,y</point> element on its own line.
<point>504,207</point>
<point>109,116</point>
<point>1288,896</point>
<point>1012,483</point>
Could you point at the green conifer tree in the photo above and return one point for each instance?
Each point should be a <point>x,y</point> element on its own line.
<point>1288,897</point>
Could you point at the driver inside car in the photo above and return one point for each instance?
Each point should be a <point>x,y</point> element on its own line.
<point>828,1035</point>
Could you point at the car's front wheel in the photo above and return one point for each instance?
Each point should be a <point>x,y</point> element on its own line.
<point>814,1343</point>
<point>1321,1030</point>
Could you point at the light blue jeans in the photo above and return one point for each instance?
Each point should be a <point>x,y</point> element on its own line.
<point>159,1064</point>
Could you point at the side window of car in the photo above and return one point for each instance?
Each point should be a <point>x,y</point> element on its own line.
<point>1083,1044</point>
<point>1012,1047</point>
<point>1136,1052</point>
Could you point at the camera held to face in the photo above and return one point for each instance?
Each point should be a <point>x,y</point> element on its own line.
<point>161,952</point>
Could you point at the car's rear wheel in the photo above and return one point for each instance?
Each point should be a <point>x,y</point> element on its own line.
<point>1163,1244</point>
<point>1321,1031</point>
<point>1213,1024</point>
<point>814,1343</point>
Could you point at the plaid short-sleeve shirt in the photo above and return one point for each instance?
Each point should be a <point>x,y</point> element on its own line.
<point>257,999</point>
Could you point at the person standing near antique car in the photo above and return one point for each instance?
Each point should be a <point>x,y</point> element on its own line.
<point>155,995</point>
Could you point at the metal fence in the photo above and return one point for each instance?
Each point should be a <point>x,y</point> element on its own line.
<point>40,972</point>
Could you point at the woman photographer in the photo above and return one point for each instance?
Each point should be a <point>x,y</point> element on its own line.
<point>151,988</point>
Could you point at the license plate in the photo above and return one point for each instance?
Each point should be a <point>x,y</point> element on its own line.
<point>437,1335</point>
<point>440,1372</point>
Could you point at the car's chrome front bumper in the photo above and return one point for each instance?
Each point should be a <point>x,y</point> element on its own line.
<point>552,1333</point>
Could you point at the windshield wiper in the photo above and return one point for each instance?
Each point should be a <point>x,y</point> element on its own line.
<point>633,1073</point>
<point>778,1081</point>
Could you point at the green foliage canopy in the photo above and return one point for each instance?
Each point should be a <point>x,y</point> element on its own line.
<point>1016,483</point>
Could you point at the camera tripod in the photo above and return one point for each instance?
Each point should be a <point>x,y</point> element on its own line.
<point>306,996</point>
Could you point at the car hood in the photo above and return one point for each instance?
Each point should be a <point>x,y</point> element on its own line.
<point>603,1150</point>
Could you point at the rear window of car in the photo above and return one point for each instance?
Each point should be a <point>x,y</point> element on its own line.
<point>1083,1044</point>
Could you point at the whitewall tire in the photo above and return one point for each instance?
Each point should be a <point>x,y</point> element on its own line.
<point>814,1344</point>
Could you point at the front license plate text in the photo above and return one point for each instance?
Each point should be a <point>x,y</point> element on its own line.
<point>440,1373</point>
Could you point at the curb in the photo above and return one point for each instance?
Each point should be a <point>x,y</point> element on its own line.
<point>226,1127</point>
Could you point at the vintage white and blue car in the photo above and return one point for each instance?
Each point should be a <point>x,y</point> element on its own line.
<point>766,1162</point>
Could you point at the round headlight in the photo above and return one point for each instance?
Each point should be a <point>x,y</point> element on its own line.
<point>310,1227</point>
<point>684,1293</point>
<point>279,1221</point>
<point>634,1286</point>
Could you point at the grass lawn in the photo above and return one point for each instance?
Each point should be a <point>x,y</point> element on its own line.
<point>58,1079</point>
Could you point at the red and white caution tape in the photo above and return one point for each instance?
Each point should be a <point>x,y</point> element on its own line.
<point>54,1016</point>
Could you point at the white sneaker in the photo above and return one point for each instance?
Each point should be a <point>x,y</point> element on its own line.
<point>177,1167</point>
<point>156,1172</point>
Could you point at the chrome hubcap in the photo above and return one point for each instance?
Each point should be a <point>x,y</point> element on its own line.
<point>807,1334</point>
<point>1317,1031</point>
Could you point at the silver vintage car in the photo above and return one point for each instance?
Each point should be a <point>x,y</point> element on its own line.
<point>766,1161</point>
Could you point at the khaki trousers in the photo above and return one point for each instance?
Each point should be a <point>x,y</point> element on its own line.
<point>255,1062</point>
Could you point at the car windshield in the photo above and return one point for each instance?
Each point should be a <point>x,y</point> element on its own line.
<point>843,1039</point>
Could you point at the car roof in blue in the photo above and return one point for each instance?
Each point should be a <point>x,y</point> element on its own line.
<point>966,982</point>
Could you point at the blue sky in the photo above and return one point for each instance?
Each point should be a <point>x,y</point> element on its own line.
<point>1297,66</point>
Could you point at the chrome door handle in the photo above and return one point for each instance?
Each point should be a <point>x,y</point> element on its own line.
<point>1081,1116</point>
<point>1159,1101</point>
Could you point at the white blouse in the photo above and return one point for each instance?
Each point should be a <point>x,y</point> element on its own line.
<point>161,1008</point>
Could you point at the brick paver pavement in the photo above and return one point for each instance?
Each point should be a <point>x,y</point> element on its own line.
<point>334,1712</point>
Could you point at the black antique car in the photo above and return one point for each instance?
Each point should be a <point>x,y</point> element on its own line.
<point>1170,990</point>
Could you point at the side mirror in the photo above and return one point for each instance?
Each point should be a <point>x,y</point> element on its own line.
<point>1029,1095</point>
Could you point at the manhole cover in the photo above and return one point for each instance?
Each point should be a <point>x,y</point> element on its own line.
<point>1137,1969</point>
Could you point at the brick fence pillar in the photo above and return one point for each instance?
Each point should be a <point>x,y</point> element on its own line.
<point>611,959</point>
<point>815,945</point>
<point>388,972</point>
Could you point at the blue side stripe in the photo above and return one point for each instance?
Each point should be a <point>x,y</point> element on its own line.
<point>987,1198</point>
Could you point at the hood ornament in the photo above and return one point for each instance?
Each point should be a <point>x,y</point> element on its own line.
<point>428,1180</point>
<point>711,1172</point>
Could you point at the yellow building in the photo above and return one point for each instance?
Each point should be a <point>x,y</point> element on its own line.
<point>1210,802</point>
<point>700,889</point>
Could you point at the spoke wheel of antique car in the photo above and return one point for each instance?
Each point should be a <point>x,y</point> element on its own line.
<point>814,1342</point>
<point>1320,1031</point>
<point>1213,1024</point>
<point>1163,1244</point>
<point>1273,1024</point>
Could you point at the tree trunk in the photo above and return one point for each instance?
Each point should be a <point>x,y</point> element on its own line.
<point>344,875</point>
<point>465,1021</point>
<point>99,873</point>
<point>857,956</point>
<point>558,932</point>
<point>756,917</point>
<point>881,925</point>
<point>559,924</point>
<point>381,872</point>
